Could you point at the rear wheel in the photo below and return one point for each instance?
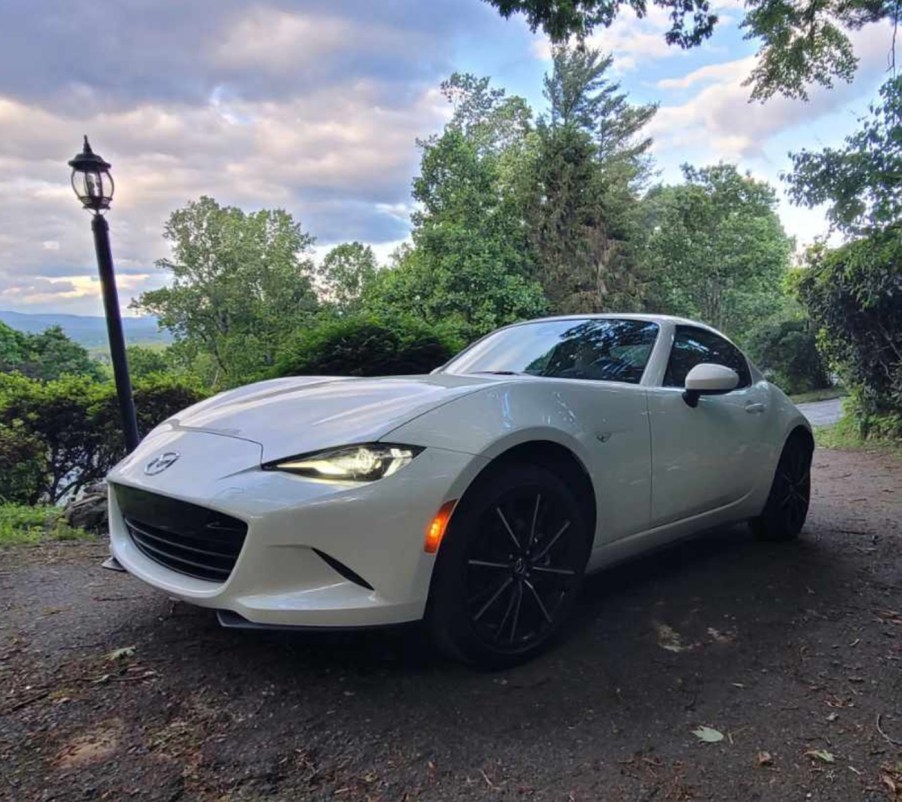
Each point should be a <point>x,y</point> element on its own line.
<point>509,568</point>
<point>787,505</point>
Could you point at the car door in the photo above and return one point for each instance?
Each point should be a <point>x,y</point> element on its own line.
<point>704,457</point>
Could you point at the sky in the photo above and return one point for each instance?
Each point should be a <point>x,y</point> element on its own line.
<point>315,106</point>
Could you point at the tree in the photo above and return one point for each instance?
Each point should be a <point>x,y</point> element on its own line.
<point>144,361</point>
<point>12,348</point>
<point>801,42</point>
<point>717,248</point>
<point>346,273</point>
<point>852,294</point>
<point>470,264</point>
<point>241,284</point>
<point>45,356</point>
<point>861,182</point>
<point>589,161</point>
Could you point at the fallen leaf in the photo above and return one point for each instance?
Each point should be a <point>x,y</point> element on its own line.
<point>722,637</point>
<point>668,638</point>
<point>708,735</point>
<point>118,654</point>
<point>765,759</point>
<point>821,754</point>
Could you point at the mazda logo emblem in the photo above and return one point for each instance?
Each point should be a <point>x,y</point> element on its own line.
<point>161,463</point>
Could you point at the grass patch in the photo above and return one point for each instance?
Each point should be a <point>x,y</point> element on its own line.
<point>846,436</point>
<point>21,524</point>
<point>825,394</point>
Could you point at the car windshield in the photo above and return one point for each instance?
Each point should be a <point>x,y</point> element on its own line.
<point>600,349</point>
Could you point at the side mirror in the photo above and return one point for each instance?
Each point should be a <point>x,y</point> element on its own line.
<point>708,379</point>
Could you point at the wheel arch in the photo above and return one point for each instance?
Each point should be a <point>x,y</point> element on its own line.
<point>556,457</point>
<point>801,434</point>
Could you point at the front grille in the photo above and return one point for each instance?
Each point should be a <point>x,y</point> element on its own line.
<point>187,538</point>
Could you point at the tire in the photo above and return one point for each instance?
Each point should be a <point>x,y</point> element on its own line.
<point>790,493</point>
<point>509,568</point>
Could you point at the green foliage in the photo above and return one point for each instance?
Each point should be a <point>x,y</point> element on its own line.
<point>787,352</point>
<point>21,523</point>
<point>366,346</point>
<point>717,248</point>
<point>806,42</point>
<point>881,431</point>
<point>347,272</point>
<point>144,361</point>
<point>589,160</point>
<point>854,296</point>
<point>71,425</point>
<point>470,267</point>
<point>692,20</point>
<point>861,181</point>
<point>801,42</point>
<point>47,355</point>
<point>23,464</point>
<point>241,284</point>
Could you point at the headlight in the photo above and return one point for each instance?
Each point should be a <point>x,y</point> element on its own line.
<point>363,463</point>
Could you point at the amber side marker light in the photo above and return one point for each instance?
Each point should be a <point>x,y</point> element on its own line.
<point>436,529</point>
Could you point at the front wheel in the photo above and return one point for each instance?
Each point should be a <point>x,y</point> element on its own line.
<point>509,568</point>
<point>790,493</point>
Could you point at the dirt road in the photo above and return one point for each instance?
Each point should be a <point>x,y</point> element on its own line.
<point>792,652</point>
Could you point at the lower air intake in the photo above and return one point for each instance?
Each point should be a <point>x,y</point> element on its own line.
<point>186,538</point>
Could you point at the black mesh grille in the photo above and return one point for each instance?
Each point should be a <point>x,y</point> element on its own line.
<point>184,537</point>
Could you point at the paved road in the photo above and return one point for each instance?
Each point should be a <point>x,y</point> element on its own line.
<point>822,413</point>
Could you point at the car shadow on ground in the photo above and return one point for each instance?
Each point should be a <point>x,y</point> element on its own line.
<point>714,590</point>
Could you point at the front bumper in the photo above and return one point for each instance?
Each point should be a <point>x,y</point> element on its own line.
<point>375,529</point>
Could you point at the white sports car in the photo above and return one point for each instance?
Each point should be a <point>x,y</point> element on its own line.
<point>476,497</point>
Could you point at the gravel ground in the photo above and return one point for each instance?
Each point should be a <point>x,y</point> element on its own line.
<point>793,652</point>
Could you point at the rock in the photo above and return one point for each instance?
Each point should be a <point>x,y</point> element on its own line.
<point>89,510</point>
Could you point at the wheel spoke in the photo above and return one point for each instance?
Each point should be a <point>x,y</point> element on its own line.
<point>548,546</point>
<point>545,569</point>
<point>507,526</point>
<point>487,564</point>
<point>493,598</point>
<point>519,594</point>
<point>535,518</point>
<point>507,612</point>
<point>538,600</point>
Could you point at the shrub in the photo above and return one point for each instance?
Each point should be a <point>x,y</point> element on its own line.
<point>23,464</point>
<point>72,424</point>
<point>787,352</point>
<point>854,295</point>
<point>365,346</point>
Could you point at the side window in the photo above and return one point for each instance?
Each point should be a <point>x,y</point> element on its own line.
<point>693,346</point>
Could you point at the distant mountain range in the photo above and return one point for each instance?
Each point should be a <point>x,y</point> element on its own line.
<point>87,330</point>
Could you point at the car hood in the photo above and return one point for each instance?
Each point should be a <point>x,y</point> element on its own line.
<point>298,415</point>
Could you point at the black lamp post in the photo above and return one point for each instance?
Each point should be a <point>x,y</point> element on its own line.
<point>94,186</point>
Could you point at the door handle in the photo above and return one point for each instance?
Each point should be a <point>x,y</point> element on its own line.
<point>754,409</point>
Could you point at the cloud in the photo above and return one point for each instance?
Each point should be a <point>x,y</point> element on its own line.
<point>720,115</point>
<point>630,39</point>
<point>635,41</point>
<point>725,72</point>
<point>308,105</point>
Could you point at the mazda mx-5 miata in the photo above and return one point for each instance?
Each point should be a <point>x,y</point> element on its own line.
<point>476,497</point>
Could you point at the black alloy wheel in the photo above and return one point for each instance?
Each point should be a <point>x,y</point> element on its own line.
<point>790,494</point>
<point>510,567</point>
